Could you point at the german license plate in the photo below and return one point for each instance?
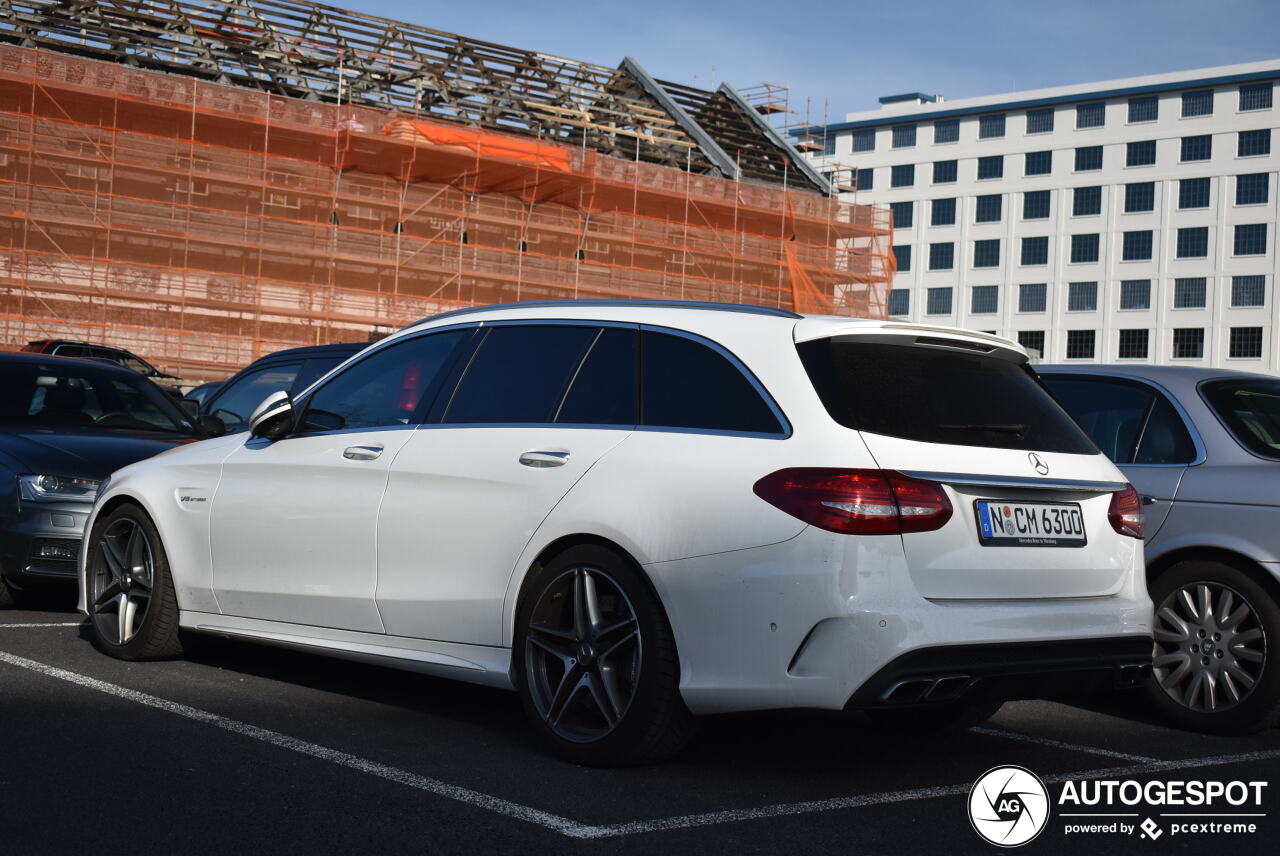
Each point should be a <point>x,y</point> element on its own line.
<point>1030,524</point>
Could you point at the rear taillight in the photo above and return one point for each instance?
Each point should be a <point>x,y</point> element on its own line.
<point>1125,513</point>
<point>857,502</point>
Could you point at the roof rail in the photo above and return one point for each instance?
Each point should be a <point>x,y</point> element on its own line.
<point>663,304</point>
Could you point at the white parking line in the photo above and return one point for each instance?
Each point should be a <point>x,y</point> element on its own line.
<point>1059,744</point>
<point>42,624</point>
<point>571,828</point>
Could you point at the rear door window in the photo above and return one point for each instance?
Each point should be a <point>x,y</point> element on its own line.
<point>937,394</point>
<point>1131,422</point>
<point>687,384</point>
<point>1251,411</point>
<point>604,389</point>
<point>519,374</point>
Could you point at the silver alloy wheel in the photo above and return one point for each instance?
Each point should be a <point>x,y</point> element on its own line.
<point>1210,649</point>
<point>582,654</point>
<point>121,577</point>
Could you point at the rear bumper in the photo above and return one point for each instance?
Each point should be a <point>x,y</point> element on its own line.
<point>1004,672</point>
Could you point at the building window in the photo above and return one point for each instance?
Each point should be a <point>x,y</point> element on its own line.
<point>864,179</point>
<point>1088,158</point>
<point>1079,344</point>
<point>1035,251</point>
<point>1252,189</point>
<point>1246,343</point>
<point>1193,193</point>
<point>1190,292</point>
<point>1198,103</point>
<point>1086,201</point>
<point>1035,205</point>
<point>1255,96</point>
<point>1033,342</point>
<point>904,136</point>
<point>989,209</point>
<point>1144,109</point>
<point>1135,294</point>
<point>944,172</point>
<point>1082,297</point>
<point>943,213</point>
<point>986,253</point>
<point>1084,248</point>
<point>942,256</point>
<point>1139,196</point>
<point>984,299</point>
<point>1136,246</point>
<point>991,167</point>
<point>1254,143</point>
<point>1039,163</point>
<point>946,131</point>
<point>939,301</point>
<point>1091,115</point>
<point>903,175</point>
<point>1141,153</point>
<point>1040,121</point>
<point>899,301</point>
<point>1193,243</point>
<point>1133,344</point>
<point>903,214</point>
<point>1033,297</point>
<point>991,126</point>
<point>1251,239</point>
<point>1197,148</point>
<point>902,257</point>
<point>1188,343</point>
<point>864,140</point>
<point>1248,291</point>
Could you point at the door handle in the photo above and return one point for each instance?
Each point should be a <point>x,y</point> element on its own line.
<point>1147,499</point>
<point>361,453</point>
<point>545,458</point>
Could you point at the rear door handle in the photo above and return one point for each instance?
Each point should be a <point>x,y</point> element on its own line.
<point>545,458</point>
<point>361,453</point>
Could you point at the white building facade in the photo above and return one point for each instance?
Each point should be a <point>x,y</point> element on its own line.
<point>1124,221</point>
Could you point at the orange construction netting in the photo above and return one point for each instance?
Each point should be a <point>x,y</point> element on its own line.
<point>202,225</point>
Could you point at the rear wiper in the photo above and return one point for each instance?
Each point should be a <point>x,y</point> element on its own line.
<point>1016,429</point>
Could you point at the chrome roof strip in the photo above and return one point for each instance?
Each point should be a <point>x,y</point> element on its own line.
<point>1017,481</point>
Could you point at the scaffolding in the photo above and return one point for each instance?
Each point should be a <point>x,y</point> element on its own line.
<point>203,224</point>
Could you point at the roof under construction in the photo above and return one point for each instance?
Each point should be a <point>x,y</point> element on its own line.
<point>321,53</point>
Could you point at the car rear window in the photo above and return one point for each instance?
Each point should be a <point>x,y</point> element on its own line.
<point>1250,409</point>
<point>938,395</point>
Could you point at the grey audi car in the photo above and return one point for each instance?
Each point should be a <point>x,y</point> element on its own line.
<point>1202,447</point>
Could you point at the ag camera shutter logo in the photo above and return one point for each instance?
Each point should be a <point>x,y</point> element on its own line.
<point>1008,806</point>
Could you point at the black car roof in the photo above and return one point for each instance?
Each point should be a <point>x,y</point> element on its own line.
<point>336,349</point>
<point>28,357</point>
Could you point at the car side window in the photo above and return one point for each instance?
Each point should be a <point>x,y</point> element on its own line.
<point>519,374</point>
<point>1131,423</point>
<point>686,384</point>
<point>236,402</point>
<point>384,389</point>
<point>604,390</point>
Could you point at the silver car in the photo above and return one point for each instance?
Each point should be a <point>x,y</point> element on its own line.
<point>1202,447</point>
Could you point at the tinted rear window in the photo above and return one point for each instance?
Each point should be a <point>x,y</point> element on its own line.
<point>1251,411</point>
<point>519,374</point>
<point>936,395</point>
<point>603,391</point>
<point>686,384</point>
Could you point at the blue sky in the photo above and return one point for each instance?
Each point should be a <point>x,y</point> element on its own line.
<point>850,54</point>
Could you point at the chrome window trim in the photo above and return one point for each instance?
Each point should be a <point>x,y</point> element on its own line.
<point>1196,440</point>
<point>981,480</point>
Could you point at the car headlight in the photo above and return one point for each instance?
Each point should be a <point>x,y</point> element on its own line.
<point>46,488</point>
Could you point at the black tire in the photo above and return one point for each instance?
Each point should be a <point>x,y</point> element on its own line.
<point>155,635</point>
<point>638,662</point>
<point>945,719</point>
<point>7,597</point>
<point>1250,647</point>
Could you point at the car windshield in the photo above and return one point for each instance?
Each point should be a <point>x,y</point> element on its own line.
<point>53,395</point>
<point>1250,408</point>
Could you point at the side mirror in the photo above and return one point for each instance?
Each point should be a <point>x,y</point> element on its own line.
<point>273,418</point>
<point>191,408</point>
<point>211,425</point>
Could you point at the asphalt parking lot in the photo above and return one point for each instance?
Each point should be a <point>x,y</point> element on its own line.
<point>248,749</point>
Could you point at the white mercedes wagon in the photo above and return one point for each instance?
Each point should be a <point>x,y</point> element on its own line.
<point>634,513</point>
